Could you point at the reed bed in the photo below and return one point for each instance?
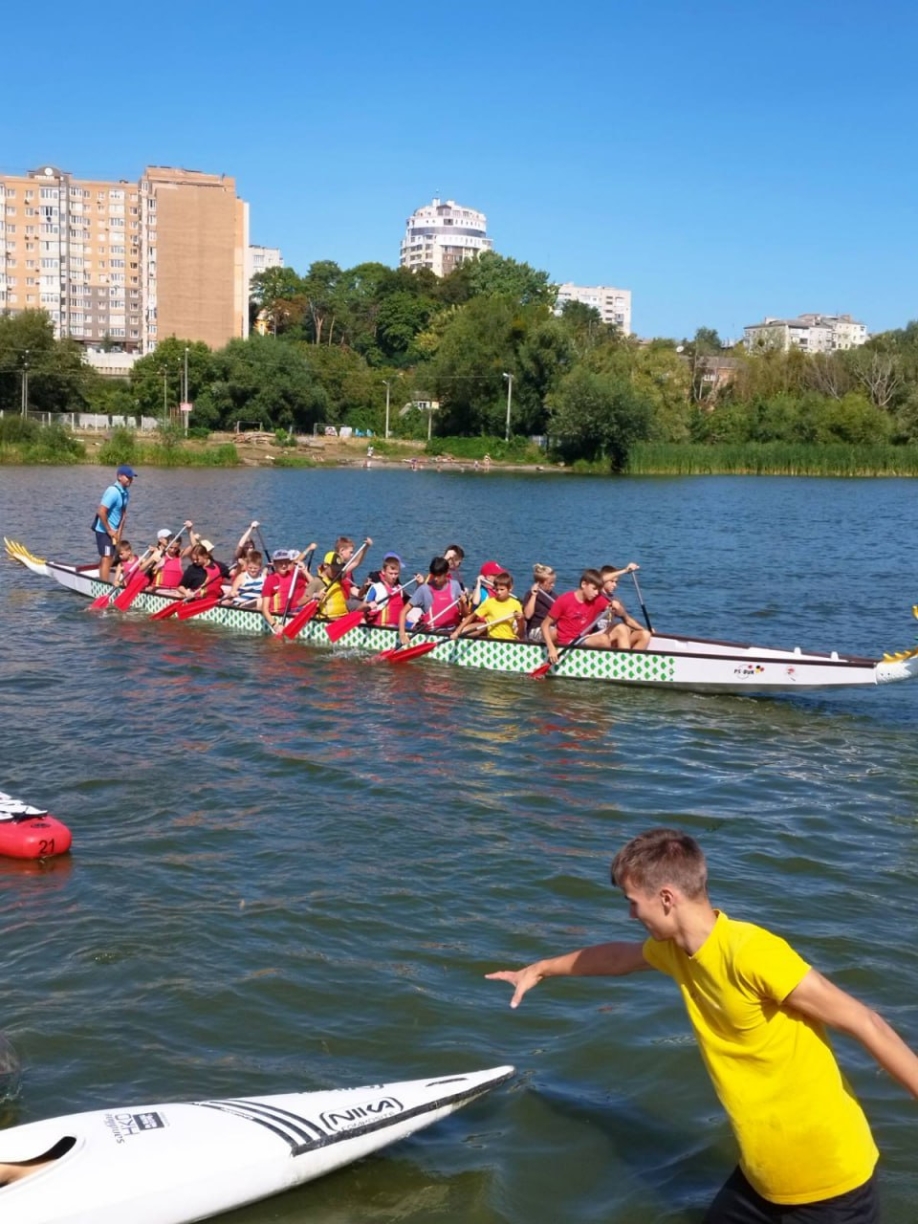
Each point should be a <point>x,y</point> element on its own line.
<point>771,459</point>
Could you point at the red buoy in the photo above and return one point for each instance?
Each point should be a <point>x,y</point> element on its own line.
<point>30,833</point>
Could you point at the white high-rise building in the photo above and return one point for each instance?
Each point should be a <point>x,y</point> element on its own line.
<point>813,333</point>
<point>440,236</point>
<point>614,305</point>
<point>261,258</point>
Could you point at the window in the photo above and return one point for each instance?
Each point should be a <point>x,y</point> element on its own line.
<point>48,193</point>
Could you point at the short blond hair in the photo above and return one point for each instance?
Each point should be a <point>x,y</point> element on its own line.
<point>540,571</point>
<point>662,856</point>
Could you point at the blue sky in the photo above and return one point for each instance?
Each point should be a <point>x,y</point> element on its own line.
<point>722,160</point>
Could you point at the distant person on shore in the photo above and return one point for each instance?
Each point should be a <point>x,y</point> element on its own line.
<point>758,1010</point>
<point>110,518</point>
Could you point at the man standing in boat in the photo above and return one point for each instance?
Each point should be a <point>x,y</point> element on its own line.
<point>110,517</point>
<point>758,1011</point>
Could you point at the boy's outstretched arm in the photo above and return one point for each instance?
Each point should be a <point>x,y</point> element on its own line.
<point>602,960</point>
<point>818,999</point>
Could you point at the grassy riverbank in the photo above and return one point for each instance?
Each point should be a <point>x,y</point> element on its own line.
<point>27,442</point>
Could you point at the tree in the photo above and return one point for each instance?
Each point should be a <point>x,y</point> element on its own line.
<point>598,415</point>
<point>493,275</point>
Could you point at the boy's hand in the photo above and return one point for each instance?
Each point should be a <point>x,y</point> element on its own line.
<point>522,980</point>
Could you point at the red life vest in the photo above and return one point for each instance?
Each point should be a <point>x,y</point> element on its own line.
<point>171,573</point>
<point>278,598</point>
<point>391,610</point>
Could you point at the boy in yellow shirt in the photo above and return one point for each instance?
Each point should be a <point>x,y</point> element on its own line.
<point>499,617</point>
<point>758,1011</point>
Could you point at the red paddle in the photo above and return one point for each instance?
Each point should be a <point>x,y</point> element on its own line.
<point>123,601</point>
<point>102,601</point>
<point>411,652</point>
<point>303,617</point>
<point>195,607</point>
<point>169,610</point>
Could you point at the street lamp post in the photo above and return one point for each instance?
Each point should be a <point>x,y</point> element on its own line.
<point>25,383</point>
<point>165,394</point>
<point>388,382</point>
<point>185,392</point>
<point>509,378</point>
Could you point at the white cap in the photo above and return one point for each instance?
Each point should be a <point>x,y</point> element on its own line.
<point>165,534</point>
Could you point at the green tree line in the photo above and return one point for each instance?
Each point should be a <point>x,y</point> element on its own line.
<point>336,340</point>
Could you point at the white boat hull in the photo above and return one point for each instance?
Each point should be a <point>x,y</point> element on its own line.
<point>176,1163</point>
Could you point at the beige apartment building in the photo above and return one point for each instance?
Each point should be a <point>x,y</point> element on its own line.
<point>130,263</point>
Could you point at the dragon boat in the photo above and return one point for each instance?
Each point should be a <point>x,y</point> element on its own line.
<point>695,664</point>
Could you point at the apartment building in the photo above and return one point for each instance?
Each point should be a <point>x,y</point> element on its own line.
<point>440,236</point>
<point>261,258</point>
<point>812,333</point>
<point>614,305</point>
<point>129,262</point>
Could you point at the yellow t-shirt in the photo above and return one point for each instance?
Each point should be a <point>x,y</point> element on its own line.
<point>802,1135</point>
<point>495,609</point>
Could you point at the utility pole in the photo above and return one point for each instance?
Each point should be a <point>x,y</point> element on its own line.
<point>25,383</point>
<point>185,392</point>
<point>165,395</point>
<point>509,378</point>
<point>388,383</point>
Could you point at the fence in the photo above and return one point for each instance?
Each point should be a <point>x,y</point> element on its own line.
<point>93,422</point>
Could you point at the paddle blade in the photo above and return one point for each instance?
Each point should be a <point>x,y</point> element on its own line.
<point>196,606</point>
<point>169,610</point>
<point>303,617</point>
<point>412,652</point>
<point>101,601</point>
<point>130,592</point>
<point>538,672</point>
<point>337,629</point>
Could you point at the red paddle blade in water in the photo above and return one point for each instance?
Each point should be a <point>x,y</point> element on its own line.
<point>411,652</point>
<point>538,672</point>
<point>101,601</point>
<point>303,617</point>
<point>169,610</point>
<point>196,606</point>
<point>337,629</point>
<point>130,592</point>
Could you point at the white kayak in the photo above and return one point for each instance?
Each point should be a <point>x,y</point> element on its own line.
<point>175,1163</point>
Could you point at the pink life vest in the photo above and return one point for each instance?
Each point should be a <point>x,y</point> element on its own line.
<point>438,617</point>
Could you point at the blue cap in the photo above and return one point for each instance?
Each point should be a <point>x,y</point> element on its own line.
<point>125,470</point>
<point>391,556</point>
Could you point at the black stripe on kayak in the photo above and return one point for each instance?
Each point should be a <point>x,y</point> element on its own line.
<point>296,1138</point>
<point>247,1110</point>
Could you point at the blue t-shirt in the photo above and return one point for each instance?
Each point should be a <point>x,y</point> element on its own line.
<point>115,500</point>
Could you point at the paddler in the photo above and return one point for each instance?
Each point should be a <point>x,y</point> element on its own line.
<point>575,614</point>
<point>385,597</point>
<point>759,1011</point>
<point>439,603</point>
<point>499,617</point>
<point>285,589</point>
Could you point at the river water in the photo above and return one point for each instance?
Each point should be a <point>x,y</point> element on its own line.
<point>292,870</point>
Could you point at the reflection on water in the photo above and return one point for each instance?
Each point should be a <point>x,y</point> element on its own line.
<point>292,869</point>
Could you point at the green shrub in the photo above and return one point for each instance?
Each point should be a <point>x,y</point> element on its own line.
<point>120,448</point>
<point>18,429</point>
